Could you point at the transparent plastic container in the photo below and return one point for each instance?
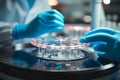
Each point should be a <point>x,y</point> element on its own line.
<point>59,48</point>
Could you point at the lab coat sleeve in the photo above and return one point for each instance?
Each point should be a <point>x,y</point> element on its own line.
<point>6,38</point>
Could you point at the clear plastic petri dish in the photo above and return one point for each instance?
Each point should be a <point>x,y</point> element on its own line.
<point>59,48</point>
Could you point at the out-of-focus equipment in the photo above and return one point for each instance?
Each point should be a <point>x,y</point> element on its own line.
<point>98,15</point>
<point>46,22</point>
<point>99,18</point>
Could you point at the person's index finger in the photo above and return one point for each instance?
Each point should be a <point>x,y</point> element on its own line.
<point>55,16</point>
<point>101,30</point>
<point>98,37</point>
<point>53,11</point>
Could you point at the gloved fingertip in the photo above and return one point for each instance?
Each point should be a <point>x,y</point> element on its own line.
<point>96,48</point>
<point>61,24</point>
<point>59,28</point>
<point>82,40</point>
<point>101,54</point>
<point>105,55</point>
<point>56,29</point>
<point>85,34</point>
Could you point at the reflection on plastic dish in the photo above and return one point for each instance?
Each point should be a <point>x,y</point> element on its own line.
<point>59,48</point>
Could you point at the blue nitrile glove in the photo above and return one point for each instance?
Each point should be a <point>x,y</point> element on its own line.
<point>45,22</point>
<point>109,46</point>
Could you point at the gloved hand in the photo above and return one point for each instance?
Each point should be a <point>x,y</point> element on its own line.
<point>107,42</point>
<point>44,22</point>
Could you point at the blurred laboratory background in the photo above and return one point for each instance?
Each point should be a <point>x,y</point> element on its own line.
<point>60,55</point>
<point>81,11</point>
